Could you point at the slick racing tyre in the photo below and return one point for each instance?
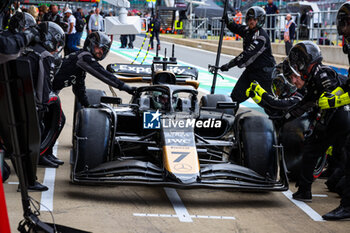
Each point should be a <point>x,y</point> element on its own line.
<point>212,100</point>
<point>53,123</point>
<point>291,136</point>
<point>91,139</point>
<point>94,97</point>
<point>257,137</point>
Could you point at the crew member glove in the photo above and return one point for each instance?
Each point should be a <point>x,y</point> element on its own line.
<point>225,67</point>
<point>329,100</point>
<point>252,94</point>
<point>130,90</point>
<point>255,86</point>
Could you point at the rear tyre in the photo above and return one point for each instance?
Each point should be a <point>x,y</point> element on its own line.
<point>91,141</point>
<point>212,100</point>
<point>257,137</point>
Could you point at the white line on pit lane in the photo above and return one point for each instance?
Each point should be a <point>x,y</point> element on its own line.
<point>304,207</point>
<point>192,216</point>
<point>319,195</point>
<point>13,182</point>
<point>179,207</point>
<point>49,181</point>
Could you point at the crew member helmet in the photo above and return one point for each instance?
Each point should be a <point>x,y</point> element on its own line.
<point>100,40</point>
<point>51,36</point>
<point>21,21</point>
<point>281,88</point>
<point>258,13</point>
<point>302,55</point>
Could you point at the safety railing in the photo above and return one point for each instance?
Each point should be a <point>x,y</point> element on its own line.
<point>319,27</point>
<point>196,28</point>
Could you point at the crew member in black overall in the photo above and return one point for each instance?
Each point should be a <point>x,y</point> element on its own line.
<point>328,127</point>
<point>42,57</point>
<point>334,100</point>
<point>12,42</point>
<point>75,65</point>
<point>256,56</point>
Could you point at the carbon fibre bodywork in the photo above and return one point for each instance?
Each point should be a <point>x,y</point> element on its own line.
<point>120,150</point>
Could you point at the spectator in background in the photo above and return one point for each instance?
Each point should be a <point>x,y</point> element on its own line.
<point>34,11</point>
<point>79,24</point>
<point>289,32</point>
<point>70,34</point>
<point>123,41</point>
<point>43,9</point>
<point>53,15</point>
<point>271,8</point>
<point>96,22</point>
<point>87,19</point>
<point>238,20</point>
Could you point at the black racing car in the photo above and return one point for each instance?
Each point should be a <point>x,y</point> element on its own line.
<point>166,136</point>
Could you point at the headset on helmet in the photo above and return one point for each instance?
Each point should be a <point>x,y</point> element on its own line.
<point>302,55</point>
<point>21,21</point>
<point>343,25</point>
<point>256,12</point>
<point>51,36</point>
<point>100,40</point>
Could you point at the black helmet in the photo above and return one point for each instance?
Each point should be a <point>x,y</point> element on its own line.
<point>281,88</point>
<point>21,21</point>
<point>302,55</point>
<point>97,39</point>
<point>343,20</point>
<point>343,25</point>
<point>51,36</point>
<point>258,13</point>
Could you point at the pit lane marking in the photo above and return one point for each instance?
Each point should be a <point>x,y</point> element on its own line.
<point>49,181</point>
<point>179,207</point>
<point>304,207</point>
<point>192,216</point>
<point>16,182</point>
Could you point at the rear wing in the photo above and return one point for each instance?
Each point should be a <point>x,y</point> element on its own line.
<point>129,70</point>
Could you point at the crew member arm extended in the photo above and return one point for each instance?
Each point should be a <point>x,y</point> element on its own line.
<point>90,65</point>
<point>249,55</point>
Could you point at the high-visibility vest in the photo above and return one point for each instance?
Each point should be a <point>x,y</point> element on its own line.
<point>238,18</point>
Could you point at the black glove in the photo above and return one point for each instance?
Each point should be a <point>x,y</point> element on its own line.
<point>130,90</point>
<point>225,67</point>
<point>32,35</point>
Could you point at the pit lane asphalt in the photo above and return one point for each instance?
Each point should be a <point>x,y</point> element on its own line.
<point>151,209</point>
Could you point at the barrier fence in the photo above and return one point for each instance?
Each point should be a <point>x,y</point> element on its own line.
<point>319,27</point>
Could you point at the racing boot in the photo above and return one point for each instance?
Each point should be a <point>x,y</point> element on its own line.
<point>54,159</point>
<point>303,195</point>
<point>37,187</point>
<point>341,212</point>
<point>45,162</point>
